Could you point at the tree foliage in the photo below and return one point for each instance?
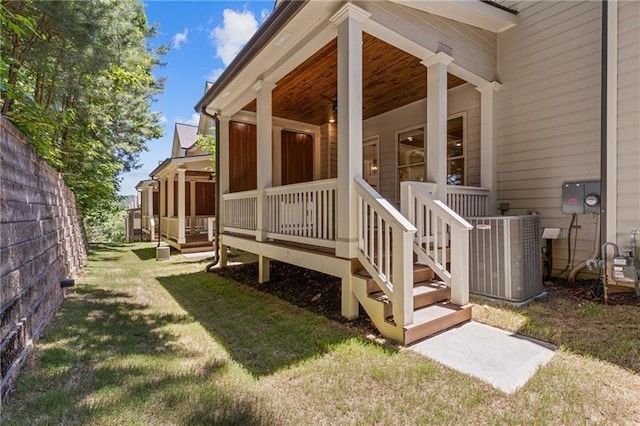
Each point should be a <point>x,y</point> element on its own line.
<point>207,143</point>
<point>77,80</point>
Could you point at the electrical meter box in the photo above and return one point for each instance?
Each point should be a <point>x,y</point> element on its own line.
<point>581,197</point>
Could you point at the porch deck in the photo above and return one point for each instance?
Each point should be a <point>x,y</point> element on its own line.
<point>297,224</point>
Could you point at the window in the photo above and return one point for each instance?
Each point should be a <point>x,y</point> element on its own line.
<point>455,150</point>
<point>411,157</point>
<point>370,162</point>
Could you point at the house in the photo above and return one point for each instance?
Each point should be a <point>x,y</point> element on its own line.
<point>182,192</point>
<point>355,137</point>
<point>132,221</point>
<point>149,207</point>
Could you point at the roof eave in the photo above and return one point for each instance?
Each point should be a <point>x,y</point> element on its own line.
<point>282,14</point>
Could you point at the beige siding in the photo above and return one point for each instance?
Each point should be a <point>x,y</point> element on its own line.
<point>548,113</point>
<point>461,99</point>
<point>472,48</point>
<point>328,151</point>
<point>628,215</point>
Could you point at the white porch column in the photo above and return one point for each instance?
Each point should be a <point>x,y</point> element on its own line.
<point>223,179</point>
<point>264,165</point>
<point>436,148</point>
<point>163,208</point>
<point>349,21</point>
<point>181,206</point>
<point>264,152</point>
<point>170,196</point>
<point>149,212</point>
<point>487,142</point>
<point>150,201</point>
<point>192,206</point>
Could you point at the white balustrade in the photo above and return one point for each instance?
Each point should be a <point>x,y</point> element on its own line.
<point>468,201</point>
<point>441,240</point>
<point>240,212</point>
<point>171,226</point>
<point>385,249</point>
<point>303,212</point>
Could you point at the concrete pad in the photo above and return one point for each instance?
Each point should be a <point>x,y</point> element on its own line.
<point>504,360</point>
<point>199,255</point>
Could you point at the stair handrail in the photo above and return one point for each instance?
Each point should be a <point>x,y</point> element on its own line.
<point>383,230</point>
<point>439,228</point>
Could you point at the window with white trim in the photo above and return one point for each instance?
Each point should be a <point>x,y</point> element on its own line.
<point>456,149</point>
<point>411,155</point>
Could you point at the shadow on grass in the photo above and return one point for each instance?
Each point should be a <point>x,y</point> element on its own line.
<point>97,248</point>
<point>105,355</point>
<point>260,331</point>
<point>146,253</point>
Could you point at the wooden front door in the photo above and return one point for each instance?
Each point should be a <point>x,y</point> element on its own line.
<point>297,157</point>
<point>242,157</point>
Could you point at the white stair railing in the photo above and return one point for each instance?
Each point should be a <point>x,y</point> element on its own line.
<point>441,240</point>
<point>385,249</point>
<point>303,212</point>
<point>240,212</point>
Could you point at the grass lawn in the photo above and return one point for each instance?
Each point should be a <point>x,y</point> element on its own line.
<point>146,342</point>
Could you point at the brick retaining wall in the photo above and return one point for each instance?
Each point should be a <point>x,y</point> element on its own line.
<point>41,243</point>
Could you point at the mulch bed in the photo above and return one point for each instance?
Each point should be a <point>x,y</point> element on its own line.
<point>320,293</point>
<point>591,290</point>
<point>310,290</point>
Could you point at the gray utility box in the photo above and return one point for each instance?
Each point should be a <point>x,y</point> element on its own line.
<point>505,260</point>
<point>581,197</point>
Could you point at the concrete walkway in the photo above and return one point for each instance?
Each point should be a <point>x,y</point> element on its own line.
<point>504,360</point>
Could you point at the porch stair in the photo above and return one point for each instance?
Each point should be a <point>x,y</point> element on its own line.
<point>433,310</point>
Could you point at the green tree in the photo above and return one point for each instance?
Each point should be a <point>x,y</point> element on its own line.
<point>77,80</point>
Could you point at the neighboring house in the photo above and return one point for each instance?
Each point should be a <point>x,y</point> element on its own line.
<point>186,200</point>
<point>348,131</point>
<point>149,207</point>
<point>132,222</point>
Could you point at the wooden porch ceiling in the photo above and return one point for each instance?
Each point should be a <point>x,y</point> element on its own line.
<point>391,78</point>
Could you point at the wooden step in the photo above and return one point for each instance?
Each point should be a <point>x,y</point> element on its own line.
<point>428,293</point>
<point>195,248</point>
<point>421,273</point>
<point>424,294</point>
<point>433,319</point>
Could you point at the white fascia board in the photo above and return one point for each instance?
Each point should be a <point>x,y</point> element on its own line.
<point>472,12</point>
<point>170,166</point>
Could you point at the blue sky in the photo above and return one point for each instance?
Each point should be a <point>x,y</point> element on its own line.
<point>204,36</point>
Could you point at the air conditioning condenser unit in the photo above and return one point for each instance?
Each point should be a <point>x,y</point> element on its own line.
<point>505,260</point>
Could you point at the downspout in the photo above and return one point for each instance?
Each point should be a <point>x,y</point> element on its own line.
<point>216,251</point>
<point>603,122</point>
<point>159,213</point>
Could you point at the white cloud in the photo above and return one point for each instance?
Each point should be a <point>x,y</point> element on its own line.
<point>195,118</point>
<point>264,14</point>
<point>179,39</point>
<point>215,74</point>
<point>237,29</point>
<point>162,117</point>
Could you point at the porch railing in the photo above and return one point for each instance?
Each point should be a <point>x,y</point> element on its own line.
<point>385,249</point>
<point>466,201</point>
<point>240,212</point>
<point>441,240</point>
<point>170,227</point>
<point>303,212</point>
<point>200,225</point>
